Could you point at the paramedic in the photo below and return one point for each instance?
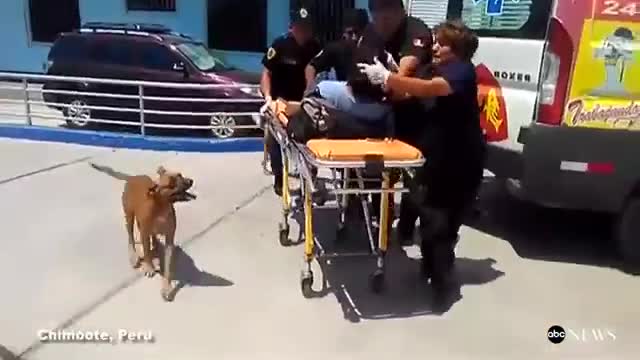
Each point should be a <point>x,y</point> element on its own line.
<point>337,55</point>
<point>409,41</point>
<point>454,142</point>
<point>283,76</point>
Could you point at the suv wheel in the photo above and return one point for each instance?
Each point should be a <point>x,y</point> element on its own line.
<point>628,233</point>
<point>227,126</point>
<point>77,114</point>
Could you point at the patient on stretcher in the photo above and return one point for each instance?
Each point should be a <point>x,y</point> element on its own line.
<point>352,109</point>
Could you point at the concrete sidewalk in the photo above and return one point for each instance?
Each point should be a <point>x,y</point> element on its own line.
<point>65,266</point>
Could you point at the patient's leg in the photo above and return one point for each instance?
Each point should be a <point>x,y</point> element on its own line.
<point>339,94</point>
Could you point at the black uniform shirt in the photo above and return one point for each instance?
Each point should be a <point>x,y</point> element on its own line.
<point>413,38</point>
<point>286,60</point>
<point>454,134</point>
<point>336,55</point>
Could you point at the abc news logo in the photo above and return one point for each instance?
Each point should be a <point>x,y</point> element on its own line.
<point>557,334</point>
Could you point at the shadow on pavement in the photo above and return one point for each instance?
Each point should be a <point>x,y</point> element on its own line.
<point>186,273</point>
<point>405,293</point>
<point>547,234</point>
<point>5,354</point>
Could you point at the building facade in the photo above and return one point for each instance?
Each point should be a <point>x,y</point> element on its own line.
<point>237,30</point>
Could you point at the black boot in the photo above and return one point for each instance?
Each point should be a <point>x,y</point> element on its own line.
<point>277,185</point>
<point>443,282</point>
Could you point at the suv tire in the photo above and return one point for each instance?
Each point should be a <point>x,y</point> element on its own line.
<point>77,115</point>
<point>229,122</point>
<point>628,233</point>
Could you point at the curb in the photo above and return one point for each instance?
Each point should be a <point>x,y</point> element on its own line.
<point>130,141</point>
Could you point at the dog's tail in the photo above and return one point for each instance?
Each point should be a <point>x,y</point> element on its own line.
<point>110,171</point>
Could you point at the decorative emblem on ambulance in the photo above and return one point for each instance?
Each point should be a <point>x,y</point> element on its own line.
<point>493,111</point>
<point>617,51</point>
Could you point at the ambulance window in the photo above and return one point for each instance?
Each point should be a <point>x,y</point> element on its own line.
<point>520,19</point>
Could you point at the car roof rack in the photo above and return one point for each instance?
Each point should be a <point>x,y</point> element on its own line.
<point>127,27</point>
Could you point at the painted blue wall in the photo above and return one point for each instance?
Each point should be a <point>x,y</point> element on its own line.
<point>17,53</point>
<point>190,18</point>
<point>22,55</point>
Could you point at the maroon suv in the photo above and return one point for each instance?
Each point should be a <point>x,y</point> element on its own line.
<point>153,53</point>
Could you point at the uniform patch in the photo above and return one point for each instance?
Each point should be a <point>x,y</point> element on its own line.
<point>304,13</point>
<point>418,42</point>
<point>271,53</point>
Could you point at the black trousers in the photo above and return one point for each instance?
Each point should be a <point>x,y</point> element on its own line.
<point>448,194</point>
<point>275,157</point>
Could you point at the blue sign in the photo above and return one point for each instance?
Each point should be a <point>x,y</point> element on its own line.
<point>494,7</point>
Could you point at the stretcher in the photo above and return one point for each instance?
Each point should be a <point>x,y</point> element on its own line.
<point>380,159</point>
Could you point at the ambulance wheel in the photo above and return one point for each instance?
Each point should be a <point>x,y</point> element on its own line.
<point>628,233</point>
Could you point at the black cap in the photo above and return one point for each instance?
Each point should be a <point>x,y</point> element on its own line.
<point>301,16</point>
<point>378,5</point>
<point>356,18</point>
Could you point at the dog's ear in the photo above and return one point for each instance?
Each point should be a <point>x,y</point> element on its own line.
<point>152,190</point>
<point>161,170</point>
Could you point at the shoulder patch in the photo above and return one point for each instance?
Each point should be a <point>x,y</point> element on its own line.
<point>417,42</point>
<point>271,53</point>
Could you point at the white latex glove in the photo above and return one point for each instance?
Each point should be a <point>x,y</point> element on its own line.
<point>376,73</point>
<point>391,63</point>
<point>266,106</point>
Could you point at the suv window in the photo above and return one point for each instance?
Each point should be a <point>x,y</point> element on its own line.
<point>520,19</point>
<point>113,52</point>
<point>155,56</point>
<point>69,48</point>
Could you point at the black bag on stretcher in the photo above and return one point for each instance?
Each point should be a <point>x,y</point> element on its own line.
<point>318,119</point>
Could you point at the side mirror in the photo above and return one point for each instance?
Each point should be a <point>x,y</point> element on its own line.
<point>179,67</point>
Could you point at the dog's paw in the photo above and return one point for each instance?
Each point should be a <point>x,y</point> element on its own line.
<point>147,269</point>
<point>134,259</point>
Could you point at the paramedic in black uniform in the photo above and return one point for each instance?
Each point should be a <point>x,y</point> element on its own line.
<point>454,141</point>
<point>337,55</point>
<point>409,41</point>
<point>283,75</point>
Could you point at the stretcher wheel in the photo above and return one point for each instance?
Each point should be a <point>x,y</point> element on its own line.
<point>284,235</point>
<point>305,285</point>
<point>376,281</point>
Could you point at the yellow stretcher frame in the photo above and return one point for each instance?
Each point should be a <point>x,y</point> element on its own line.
<point>390,155</point>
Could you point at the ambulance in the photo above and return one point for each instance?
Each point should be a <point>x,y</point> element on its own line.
<point>559,91</point>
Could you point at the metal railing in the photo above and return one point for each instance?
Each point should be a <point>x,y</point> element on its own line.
<point>59,97</point>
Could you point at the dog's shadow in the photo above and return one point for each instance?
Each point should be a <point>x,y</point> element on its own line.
<point>186,273</point>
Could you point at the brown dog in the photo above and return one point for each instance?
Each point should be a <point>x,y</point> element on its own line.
<point>150,204</point>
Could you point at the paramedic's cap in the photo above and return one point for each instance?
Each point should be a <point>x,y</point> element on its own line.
<point>301,16</point>
<point>356,18</point>
<point>380,5</point>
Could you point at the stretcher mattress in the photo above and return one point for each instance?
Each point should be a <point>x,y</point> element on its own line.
<point>359,150</point>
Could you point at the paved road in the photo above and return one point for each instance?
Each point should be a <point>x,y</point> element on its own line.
<point>64,266</point>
